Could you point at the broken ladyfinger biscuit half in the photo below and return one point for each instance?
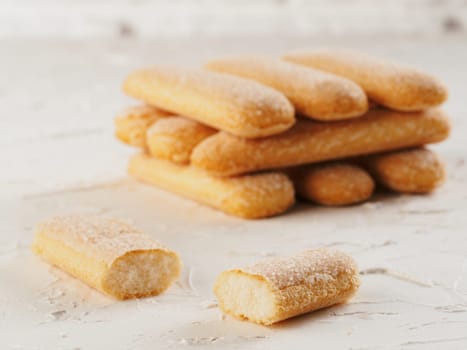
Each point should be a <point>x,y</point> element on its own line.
<point>310,142</point>
<point>131,124</point>
<point>332,184</point>
<point>315,94</point>
<point>239,106</point>
<point>250,196</point>
<point>390,84</point>
<point>282,287</point>
<point>416,170</point>
<point>174,138</point>
<point>107,254</point>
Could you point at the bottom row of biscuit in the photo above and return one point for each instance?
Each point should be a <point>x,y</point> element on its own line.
<point>270,193</point>
<point>123,262</point>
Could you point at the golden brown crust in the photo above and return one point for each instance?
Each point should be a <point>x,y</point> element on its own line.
<point>336,183</point>
<point>298,284</point>
<point>408,171</point>
<point>389,84</point>
<point>250,196</point>
<point>174,138</point>
<point>236,105</point>
<point>131,124</point>
<point>107,254</point>
<point>316,94</point>
<point>310,142</point>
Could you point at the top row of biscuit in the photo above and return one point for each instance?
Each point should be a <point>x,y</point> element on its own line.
<point>324,85</point>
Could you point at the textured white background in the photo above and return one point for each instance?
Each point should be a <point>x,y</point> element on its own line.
<point>61,65</point>
<point>218,18</point>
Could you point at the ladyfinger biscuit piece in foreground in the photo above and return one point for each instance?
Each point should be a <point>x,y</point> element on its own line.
<point>408,171</point>
<point>250,196</point>
<point>240,106</point>
<point>310,142</point>
<point>389,84</point>
<point>279,288</point>
<point>336,183</point>
<point>107,254</point>
<point>174,138</point>
<point>316,94</point>
<point>132,123</point>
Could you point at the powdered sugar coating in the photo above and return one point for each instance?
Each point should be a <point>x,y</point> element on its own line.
<point>313,93</point>
<point>103,238</point>
<point>250,196</point>
<point>240,106</point>
<point>308,267</point>
<point>282,287</point>
<point>390,84</point>
<point>335,183</point>
<point>310,142</point>
<point>416,170</point>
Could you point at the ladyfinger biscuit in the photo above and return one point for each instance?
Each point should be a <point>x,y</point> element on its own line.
<point>107,254</point>
<point>310,142</point>
<point>283,287</point>
<point>328,184</point>
<point>236,105</point>
<point>332,184</point>
<point>315,94</point>
<point>250,197</point>
<point>174,138</point>
<point>408,171</point>
<point>132,123</point>
<point>389,84</point>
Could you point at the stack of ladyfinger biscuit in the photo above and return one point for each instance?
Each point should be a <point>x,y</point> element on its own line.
<point>243,134</point>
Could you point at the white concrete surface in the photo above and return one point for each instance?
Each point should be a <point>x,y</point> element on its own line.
<point>58,155</point>
<point>220,18</point>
